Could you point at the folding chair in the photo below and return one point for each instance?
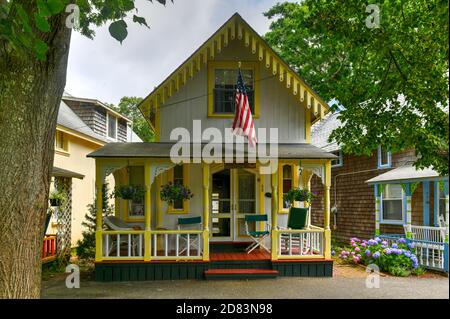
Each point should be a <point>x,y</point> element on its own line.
<point>257,236</point>
<point>189,223</point>
<point>115,223</point>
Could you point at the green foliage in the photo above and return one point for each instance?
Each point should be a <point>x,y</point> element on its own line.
<point>27,27</point>
<point>129,192</point>
<point>128,107</point>
<point>392,80</point>
<point>299,195</point>
<point>86,246</point>
<point>171,193</point>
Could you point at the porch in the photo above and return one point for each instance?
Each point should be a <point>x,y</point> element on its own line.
<point>224,194</point>
<point>423,218</point>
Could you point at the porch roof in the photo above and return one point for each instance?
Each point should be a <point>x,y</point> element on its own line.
<point>404,173</point>
<point>162,150</point>
<point>61,172</point>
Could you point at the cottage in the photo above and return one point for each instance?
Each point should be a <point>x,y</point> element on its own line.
<point>149,238</point>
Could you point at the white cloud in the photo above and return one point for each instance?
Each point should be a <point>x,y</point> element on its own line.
<point>105,70</point>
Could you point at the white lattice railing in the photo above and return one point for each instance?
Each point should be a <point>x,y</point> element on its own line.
<point>123,244</point>
<point>430,254</point>
<point>305,243</point>
<point>427,233</point>
<point>176,244</point>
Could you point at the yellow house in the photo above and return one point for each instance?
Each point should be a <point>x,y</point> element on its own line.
<point>237,201</point>
<point>83,126</point>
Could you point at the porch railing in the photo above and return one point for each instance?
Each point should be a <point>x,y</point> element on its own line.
<point>430,254</point>
<point>305,243</point>
<point>118,244</point>
<point>176,244</point>
<point>163,244</point>
<point>49,248</point>
<point>427,233</point>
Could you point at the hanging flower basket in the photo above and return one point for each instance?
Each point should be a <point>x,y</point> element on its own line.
<point>129,192</point>
<point>57,198</point>
<point>171,193</point>
<point>298,195</point>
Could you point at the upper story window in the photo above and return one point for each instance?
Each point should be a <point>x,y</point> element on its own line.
<point>384,157</point>
<point>61,143</point>
<point>222,88</point>
<point>111,126</point>
<point>338,162</point>
<point>392,204</point>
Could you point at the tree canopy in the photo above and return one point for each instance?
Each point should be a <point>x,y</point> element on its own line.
<point>386,64</point>
<point>26,25</point>
<point>128,107</point>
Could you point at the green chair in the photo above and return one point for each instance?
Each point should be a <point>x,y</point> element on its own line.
<point>190,223</point>
<point>257,236</point>
<point>297,219</point>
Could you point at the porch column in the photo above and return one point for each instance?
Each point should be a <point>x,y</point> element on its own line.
<point>326,197</point>
<point>148,211</point>
<point>377,193</point>
<point>159,212</point>
<point>274,202</point>
<point>446,211</point>
<point>408,193</point>
<point>206,201</point>
<point>99,211</point>
<point>426,203</point>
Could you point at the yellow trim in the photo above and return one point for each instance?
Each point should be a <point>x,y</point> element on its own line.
<point>294,169</point>
<point>99,211</point>
<point>185,210</point>
<point>79,135</point>
<point>258,48</point>
<point>308,125</point>
<point>65,149</point>
<point>206,208</point>
<point>212,65</point>
<point>148,211</point>
<point>159,212</point>
<point>274,202</point>
<point>261,178</point>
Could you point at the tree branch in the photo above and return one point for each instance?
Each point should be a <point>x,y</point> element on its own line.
<point>405,78</point>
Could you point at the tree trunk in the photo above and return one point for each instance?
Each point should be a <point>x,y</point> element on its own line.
<point>30,94</point>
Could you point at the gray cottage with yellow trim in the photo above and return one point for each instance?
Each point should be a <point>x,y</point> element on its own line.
<point>148,239</point>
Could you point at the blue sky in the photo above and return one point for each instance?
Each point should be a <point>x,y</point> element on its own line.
<point>105,70</point>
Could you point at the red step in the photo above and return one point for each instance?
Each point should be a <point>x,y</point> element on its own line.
<point>240,273</point>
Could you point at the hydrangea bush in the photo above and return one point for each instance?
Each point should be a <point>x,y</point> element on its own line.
<point>398,259</point>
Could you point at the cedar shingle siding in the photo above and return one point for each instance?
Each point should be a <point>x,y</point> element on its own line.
<point>95,118</point>
<point>355,198</point>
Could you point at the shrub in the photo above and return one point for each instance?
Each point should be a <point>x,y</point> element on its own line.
<point>398,259</point>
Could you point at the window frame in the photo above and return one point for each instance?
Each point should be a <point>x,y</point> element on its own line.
<point>389,155</point>
<point>130,203</point>
<point>392,221</point>
<point>108,116</point>
<point>294,169</point>
<point>440,192</point>
<point>212,66</point>
<point>65,149</point>
<point>185,209</point>
<point>340,159</point>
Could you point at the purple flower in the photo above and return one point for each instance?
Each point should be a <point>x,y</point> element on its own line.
<point>357,249</point>
<point>407,253</point>
<point>402,241</point>
<point>376,255</point>
<point>377,239</point>
<point>372,242</point>
<point>368,253</point>
<point>394,245</point>
<point>333,253</point>
<point>383,246</point>
<point>384,242</point>
<point>388,251</point>
<point>363,245</point>
<point>411,245</point>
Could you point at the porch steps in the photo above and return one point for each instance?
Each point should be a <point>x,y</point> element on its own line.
<point>248,273</point>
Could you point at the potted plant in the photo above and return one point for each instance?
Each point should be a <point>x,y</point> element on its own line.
<point>173,192</point>
<point>129,192</point>
<point>298,195</point>
<point>57,198</point>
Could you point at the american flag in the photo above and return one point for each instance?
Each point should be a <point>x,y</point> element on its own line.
<point>243,120</point>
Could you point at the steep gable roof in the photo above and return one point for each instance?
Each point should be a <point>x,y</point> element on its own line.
<point>235,27</point>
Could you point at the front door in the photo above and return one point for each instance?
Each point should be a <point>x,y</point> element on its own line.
<point>234,194</point>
